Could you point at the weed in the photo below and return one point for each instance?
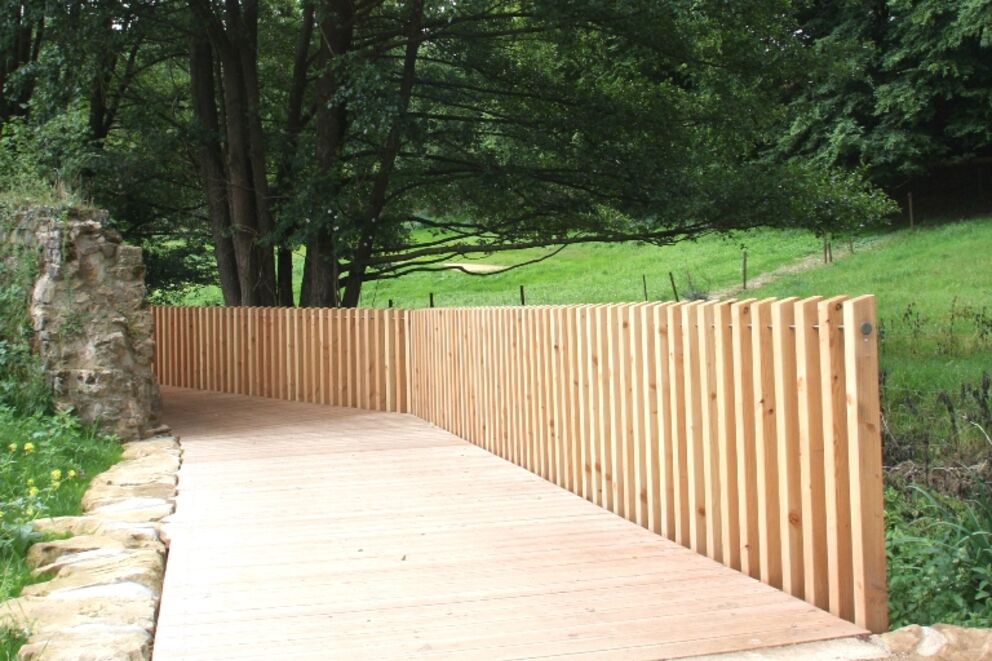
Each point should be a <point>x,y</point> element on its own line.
<point>10,642</point>
<point>940,558</point>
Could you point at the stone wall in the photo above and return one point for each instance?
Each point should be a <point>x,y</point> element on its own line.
<point>91,328</point>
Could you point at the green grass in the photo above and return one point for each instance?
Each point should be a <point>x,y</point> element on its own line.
<point>46,464</point>
<point>10,643</point>
<point>599,273</point>
<point>940,558</point>
<point>931,287</point>
<point>595,273</point>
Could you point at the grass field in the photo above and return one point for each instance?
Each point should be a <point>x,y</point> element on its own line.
<point>587,273</point>
<point>600,273</point>
<point>934,295</point>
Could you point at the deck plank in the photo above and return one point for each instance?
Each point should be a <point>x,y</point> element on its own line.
<point>315,532</point>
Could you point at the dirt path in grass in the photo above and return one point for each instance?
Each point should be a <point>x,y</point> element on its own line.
<point>806,263</point>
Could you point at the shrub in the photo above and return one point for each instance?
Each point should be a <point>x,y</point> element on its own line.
<point>940,557</point>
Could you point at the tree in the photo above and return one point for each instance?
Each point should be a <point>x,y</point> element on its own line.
<point>510,125</point>
<point>382,137</point>
<point>900,86</point>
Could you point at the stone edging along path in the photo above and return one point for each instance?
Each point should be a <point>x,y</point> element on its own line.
<point>106,578</point>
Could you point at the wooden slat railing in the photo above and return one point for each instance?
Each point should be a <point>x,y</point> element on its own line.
<point>341,357</point>
<point>745,430</point>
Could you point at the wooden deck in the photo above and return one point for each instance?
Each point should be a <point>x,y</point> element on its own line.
<point>316,532</point>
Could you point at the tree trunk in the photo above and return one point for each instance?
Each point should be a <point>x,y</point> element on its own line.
<point>250,222</point>
<point>247,46</point>
<point>284,169</point>
<point>321,270</point>
<point>284,275</point>
<point>211,161</point>
<point>377,201</point>
<point>240,193</point>
<point>22,50</point>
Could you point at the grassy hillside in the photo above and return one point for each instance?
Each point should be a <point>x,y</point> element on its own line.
<point>601,273</point>
<point>934,296</point>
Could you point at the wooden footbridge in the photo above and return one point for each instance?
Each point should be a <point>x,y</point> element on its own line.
<point>630,486</point>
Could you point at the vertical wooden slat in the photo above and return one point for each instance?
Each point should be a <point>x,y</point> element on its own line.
<point>787,426</point>
<point>696,508</point>
<point>653,431</point>
<point>835,466</point>
<point>810,414</point>
<point>726,435</point>
<point>340,357</point>
<point>295,349</point>
<point>270,370</point>
<point>619,452</point>
<point>707,396</point>
<point>747,460</point>
<point>666,475</point>
<point>865,461</point>
<point>766,444</point>
<point>404,373</point>
<point>604,410</point>
<point>307,354</point>
<point>549,388</point>
<point>636,419</point>
<point>677,411</point>
<point>573,413</point>
<point>587,401</point>
<point>325,367</point>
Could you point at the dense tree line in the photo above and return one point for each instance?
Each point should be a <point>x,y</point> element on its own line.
<point>906,86</point>
<point>229,136</point>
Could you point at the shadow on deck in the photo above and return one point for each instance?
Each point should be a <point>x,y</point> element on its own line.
<point>316,532</point>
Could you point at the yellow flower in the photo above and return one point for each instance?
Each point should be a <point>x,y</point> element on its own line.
<point>56,484</point>
<point>30,482</point>
<point>29,511</point>
<point>71,474</point>
<point>12,447</point>
<point>32,492</point>
<point>56,475</point>
<point>28,448</point>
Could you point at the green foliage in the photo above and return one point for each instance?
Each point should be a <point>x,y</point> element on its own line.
<point>901,86</point>
<point>46,463</point>
<point>23,387</point>
<point>36,156</point>
<point>10,643</point>
<point>537,121</point>
<point>940,558</point>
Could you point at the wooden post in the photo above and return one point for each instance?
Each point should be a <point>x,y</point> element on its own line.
<point>865,463</point>
<point>909,202</point>
<point>644,283</point>
<point>390,303</point>
<point>432,299</point>
<point>744,268</point>
<point>675,292</point>
<point>523,300</point>
<point>835,457</point>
